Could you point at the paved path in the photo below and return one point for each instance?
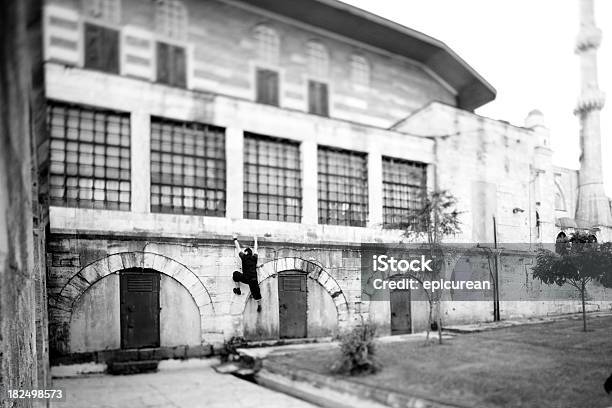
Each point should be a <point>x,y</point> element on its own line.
<point>189,384</point>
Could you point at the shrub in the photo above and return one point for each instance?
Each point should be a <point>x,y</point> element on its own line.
<point>357,352</point>
<point>228,353</point>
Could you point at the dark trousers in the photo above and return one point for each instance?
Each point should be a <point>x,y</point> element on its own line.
<point>253,284</point>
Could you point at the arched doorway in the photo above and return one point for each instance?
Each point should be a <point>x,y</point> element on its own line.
<point>134,308</point>
<point>175,303</point>
<point>299,292</point>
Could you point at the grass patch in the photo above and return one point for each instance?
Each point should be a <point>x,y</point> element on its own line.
<point>545,365</point>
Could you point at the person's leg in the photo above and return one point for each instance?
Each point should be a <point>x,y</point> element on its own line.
<point>256,292</point>
<point>237,277</point>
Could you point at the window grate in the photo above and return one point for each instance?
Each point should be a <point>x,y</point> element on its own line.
<point>268,44</point>
<point>360,70</point>
<point>343,187</point>
<point>318,59</point>
<point>404,192</point>
<point>187,168</point>
<point>90,157</point>
<point>272,179</point>
<point>171,19</point>
<point>107,10</point>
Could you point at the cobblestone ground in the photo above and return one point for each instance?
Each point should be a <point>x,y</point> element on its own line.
<point>190,384</point>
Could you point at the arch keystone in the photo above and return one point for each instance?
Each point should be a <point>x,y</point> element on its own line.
<point>115,263</point>
<point>94,272</point>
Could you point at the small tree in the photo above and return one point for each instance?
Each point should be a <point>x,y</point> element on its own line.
<point>578,261</point>
<point>357,352</point>
<point>438,218</point>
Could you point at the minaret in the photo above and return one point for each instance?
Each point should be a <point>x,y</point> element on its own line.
<point>593,208</point>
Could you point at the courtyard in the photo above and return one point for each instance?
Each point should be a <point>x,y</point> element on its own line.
<point>178,384</point>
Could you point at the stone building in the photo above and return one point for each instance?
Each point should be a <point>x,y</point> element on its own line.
<point>312,124</point>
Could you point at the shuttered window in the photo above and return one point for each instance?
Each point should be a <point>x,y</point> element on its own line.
<point>343,187</point>
<point>90,157</point>
<point>404,192</point>
<point>267,87</point>
<point>171,65</point>
<point>187,168</point>
<point>318,102</point>
<point>101,48</point>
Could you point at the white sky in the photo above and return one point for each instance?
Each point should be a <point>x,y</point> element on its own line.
<point>525,49</point>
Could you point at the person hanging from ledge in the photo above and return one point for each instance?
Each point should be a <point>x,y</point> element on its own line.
<point>248,258</point>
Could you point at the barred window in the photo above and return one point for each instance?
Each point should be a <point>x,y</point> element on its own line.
<point>272,179</point>
<point>404,192</point>
<point>90,157</point>
<point>107,10</point>
<point>187,168</point>
<point>343,187</point>
<point>318,59</point>
<point>268,44</point>
<point>171,19</point>
<point>360,70</point>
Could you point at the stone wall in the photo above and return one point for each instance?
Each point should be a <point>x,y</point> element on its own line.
<point>201,270</point>
<point>222,58</point>
<point>81,263</point>
<point>495,170</point>
<point>23,217</point>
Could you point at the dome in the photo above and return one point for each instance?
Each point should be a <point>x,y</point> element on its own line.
<point>535,118</point>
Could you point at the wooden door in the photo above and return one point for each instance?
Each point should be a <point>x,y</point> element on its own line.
<point>400,311</point>
<point>139,308</point>
<point>292,303</point>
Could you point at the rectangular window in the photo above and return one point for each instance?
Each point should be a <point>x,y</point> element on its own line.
<point>171,65</point>
<point>318,99</point>
<point>90,157</point>
<point>272,179</point>
<point>267,87</point>
<point>343,187</point>
<point>404,192</point>
<point>187,168</point>
<point>101,48</point>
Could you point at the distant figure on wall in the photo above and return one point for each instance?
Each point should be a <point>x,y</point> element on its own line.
<point>249,271</point>
<point>608,384</point>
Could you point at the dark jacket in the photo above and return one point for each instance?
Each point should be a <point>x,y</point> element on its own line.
<point>249,266</point>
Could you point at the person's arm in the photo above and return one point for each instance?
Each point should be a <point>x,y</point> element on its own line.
<point>255,245</point>
<point>237,244</point>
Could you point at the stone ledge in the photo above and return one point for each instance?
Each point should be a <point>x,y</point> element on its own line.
<point>144,354</point>
<point>335,391</point>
